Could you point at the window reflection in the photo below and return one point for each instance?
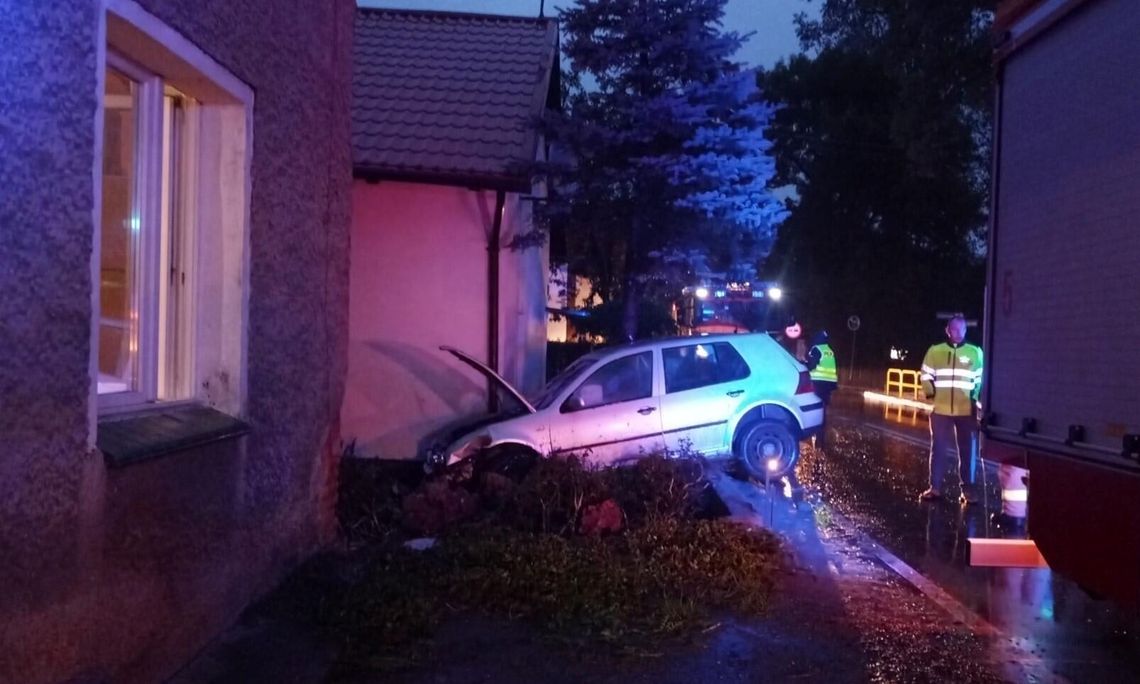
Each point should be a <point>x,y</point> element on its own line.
<point>119,236</point>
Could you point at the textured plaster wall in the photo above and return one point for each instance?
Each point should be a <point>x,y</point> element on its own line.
<point>419,280</point>
<point>121,575</point>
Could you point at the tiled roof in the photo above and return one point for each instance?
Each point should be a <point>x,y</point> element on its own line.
<point>450,98</point>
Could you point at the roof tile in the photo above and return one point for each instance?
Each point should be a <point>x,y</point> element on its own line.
<point>449,95</point>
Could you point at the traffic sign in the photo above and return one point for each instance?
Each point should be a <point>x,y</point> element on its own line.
<point>853,323</point>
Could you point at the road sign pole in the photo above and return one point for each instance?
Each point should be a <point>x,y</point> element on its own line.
<point>853,324</point>
<point>851,369</point>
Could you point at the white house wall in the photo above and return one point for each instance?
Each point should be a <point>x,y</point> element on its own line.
<point>418,280</point>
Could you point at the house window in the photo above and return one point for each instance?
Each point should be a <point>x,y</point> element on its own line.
<point>143,269</point>
<point>171,260</point>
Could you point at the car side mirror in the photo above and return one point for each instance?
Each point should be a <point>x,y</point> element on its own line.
<point>573,404</point>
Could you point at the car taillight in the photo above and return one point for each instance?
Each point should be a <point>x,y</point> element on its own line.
<point>805,386</point>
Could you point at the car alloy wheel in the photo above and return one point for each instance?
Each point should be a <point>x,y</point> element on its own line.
<point>768,449</point>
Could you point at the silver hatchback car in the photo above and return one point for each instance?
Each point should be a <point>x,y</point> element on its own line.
<point>718,396</point>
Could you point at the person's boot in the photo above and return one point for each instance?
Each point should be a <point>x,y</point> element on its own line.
<point>930,495</point>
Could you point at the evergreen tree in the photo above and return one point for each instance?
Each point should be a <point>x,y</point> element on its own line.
<point>664,139</point>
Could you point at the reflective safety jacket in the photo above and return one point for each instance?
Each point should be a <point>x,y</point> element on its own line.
<point>952,377</point>
<point>824,368</point>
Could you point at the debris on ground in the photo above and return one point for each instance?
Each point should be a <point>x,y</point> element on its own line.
<point>420,544</point>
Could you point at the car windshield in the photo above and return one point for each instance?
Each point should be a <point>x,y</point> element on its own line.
<point>560,382</point>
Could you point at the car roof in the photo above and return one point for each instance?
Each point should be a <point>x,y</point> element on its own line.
<point>668,341</point>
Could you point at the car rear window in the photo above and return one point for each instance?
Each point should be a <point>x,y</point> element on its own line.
<point>699,365</point>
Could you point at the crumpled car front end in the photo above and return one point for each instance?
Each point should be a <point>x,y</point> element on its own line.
<point>442,454</point>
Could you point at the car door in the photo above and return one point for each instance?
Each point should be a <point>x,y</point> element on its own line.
<point>612,415</point>
<point>704,384</point>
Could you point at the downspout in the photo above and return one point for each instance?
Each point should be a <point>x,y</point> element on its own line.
<point>493,298</point>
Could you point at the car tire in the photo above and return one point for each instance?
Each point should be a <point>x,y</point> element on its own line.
<point>764,440</point>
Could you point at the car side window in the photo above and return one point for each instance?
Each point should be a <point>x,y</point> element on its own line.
<point>689,367</point>
<point>730,363</point>
<point>624,379</point>
<point>700,365</point>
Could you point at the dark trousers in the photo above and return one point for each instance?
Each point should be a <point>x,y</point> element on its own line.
<point>952,432</point>
<point>823,389</point>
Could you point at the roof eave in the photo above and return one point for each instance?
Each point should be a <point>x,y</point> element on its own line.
<point>1019,22</point>
<point>470,181</point>
<point>543,95</point>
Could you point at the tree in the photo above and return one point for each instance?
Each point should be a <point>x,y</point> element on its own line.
<point>664,139</point>
<point>884,135</point>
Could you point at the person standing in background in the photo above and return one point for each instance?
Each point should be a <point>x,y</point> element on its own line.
<point>821,363</point>
<point>952,377</point>
<point>824,375</point>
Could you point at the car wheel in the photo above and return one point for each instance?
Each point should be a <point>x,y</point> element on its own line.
<point>768,448</point>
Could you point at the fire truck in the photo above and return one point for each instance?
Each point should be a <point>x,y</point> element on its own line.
<point>723,306</point>
<point>1062,322</point>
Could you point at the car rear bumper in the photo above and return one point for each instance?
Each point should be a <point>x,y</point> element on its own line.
<point>812,422</point>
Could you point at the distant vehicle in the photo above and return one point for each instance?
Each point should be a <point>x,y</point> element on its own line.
<point>718,396</point>
<point>1060,391</point>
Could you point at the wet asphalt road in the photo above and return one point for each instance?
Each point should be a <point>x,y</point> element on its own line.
<point>871,472</point>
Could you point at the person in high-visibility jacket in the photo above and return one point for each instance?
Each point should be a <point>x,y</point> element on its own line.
<point>821,364</point>
<point>824,375</point>
<point>952,377</point>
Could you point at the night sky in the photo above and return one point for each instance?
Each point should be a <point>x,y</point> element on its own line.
<point>771,20</point>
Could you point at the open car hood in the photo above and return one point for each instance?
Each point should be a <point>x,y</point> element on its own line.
<point>495,377</point>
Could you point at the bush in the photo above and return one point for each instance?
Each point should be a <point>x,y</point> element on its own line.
<point>370,495</point>
<point>663,575</point>
<point>553,495</point>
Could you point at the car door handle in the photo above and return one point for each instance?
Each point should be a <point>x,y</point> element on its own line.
<point>647,410</point>
<point>735,393</point>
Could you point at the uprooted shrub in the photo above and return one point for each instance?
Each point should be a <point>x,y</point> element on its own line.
<point>556,492</point>
<point>369,501</point>
<point>436,506</point>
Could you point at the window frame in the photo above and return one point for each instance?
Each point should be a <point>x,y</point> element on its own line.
<point>148,160</point>
<point>208,328</point>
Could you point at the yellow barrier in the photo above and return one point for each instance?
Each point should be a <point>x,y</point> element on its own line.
<point>903,380</point>
<point>902,391</point>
